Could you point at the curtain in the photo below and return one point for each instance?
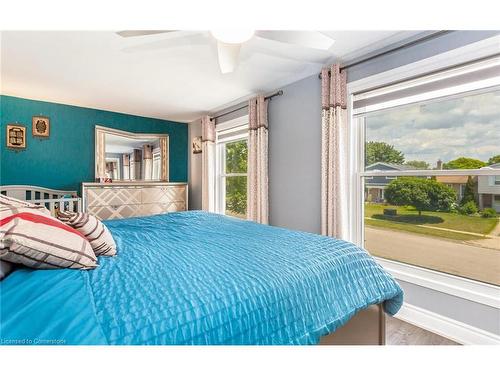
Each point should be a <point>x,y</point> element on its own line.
<point>258,180</point>
<point>147,162</point>
<point>126,166</point>
<point>208,164</point>
<point>334,153</point>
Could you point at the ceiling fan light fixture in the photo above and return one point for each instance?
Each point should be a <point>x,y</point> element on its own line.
<point>232,36</point>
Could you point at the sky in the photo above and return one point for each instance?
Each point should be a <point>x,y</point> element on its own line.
<point>446,130</point>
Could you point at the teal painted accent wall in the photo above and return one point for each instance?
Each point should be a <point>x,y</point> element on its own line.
<point>66,158</point>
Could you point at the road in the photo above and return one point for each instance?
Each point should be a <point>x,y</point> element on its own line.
<point>452,257</point>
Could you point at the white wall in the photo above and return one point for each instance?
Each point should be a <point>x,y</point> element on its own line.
<point>295,157</point>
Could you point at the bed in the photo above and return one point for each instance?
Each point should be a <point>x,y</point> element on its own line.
<point>200,278</point>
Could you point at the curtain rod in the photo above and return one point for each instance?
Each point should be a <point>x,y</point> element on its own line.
<point>269,97</point>
<point>403,46</point>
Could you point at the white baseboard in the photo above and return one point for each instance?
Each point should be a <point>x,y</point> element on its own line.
<point>446,327</point>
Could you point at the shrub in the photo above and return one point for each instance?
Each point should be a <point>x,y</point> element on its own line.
<point>468,208</point>
<point>488,212</point>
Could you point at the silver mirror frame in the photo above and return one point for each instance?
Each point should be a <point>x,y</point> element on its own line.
<point>100,149</point>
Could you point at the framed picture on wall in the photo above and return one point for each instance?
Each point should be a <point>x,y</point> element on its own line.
<point>197,145</point>
<point>16,136</point>
<point>40,126</point>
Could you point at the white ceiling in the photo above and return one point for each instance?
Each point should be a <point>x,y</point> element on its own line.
<point>140,76</point>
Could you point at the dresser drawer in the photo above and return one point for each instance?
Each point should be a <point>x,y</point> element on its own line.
<point>163,194</point>
<point>114,196</point>
<point>115,211</point>
<point>115,200</point>
<point>159,208</point>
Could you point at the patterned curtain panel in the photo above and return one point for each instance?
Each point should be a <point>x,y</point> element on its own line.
<point>258,181</point>
<point>208,164</point>
<point>334,153</point>
<point>147,162</point>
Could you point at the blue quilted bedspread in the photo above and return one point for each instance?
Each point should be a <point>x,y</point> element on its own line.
<point>198,278</point>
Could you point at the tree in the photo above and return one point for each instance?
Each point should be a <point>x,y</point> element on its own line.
<point>422,193</point>
<point>418,164</point>
<point>469,195</point>
<point>494,159</point>
<point>383,152</point>
<point>236,186</point>
<point>464,163</point>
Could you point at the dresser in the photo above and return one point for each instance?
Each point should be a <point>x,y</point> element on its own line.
<point>128,199</point>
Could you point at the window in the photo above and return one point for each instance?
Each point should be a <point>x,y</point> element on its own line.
<point>425,143</point>
<point>231,184</point>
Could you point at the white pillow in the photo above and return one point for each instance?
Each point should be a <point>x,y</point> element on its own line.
<point>35,239</point>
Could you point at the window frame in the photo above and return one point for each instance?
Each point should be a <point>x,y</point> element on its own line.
<point>454,285</point>
<point>223,137</point>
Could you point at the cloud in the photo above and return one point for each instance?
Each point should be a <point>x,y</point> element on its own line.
<point>447,129</point>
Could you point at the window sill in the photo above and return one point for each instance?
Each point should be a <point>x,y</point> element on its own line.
<point>471,290</point>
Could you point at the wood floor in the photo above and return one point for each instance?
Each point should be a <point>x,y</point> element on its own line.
<point>402,333</point>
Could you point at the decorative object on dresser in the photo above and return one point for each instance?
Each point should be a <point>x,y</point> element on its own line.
<point>53,200</point>
<point>125,156</point>
<point>16,136</point>
<point>40,126</point>
<point>128,199</point>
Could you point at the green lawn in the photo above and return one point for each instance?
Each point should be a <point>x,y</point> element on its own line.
<point>408,219</point>
<point>421,230</point>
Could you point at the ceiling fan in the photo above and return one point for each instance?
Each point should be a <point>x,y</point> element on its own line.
<point>229,42</point>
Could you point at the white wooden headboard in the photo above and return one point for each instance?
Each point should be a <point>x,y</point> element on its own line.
<point>52,199</point>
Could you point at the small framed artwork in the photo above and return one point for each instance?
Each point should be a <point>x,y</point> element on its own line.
<point>16,136</point>
<point>197,145</point>
<point>41,126</point>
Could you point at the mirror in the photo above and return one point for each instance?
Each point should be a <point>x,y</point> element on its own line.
<point>125,156</point>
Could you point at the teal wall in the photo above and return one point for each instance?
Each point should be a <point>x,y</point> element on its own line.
<point>66,158</point>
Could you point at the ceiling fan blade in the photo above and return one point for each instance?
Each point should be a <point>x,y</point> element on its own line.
<point>228,56</point>
<point>309,39</point>
<point>132,33</point>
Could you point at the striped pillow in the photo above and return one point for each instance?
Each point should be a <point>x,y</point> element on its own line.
<point>31,237</point>
<point>93,229</point>
<point>17,203</point>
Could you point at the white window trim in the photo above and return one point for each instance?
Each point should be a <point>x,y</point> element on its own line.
<point>453,285</point>
<point>436,94</point>
<point>226,128</point>
<point>484,48</point>
<point>230,124</point>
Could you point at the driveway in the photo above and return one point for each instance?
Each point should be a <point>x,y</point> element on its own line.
<point>457,258</point>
